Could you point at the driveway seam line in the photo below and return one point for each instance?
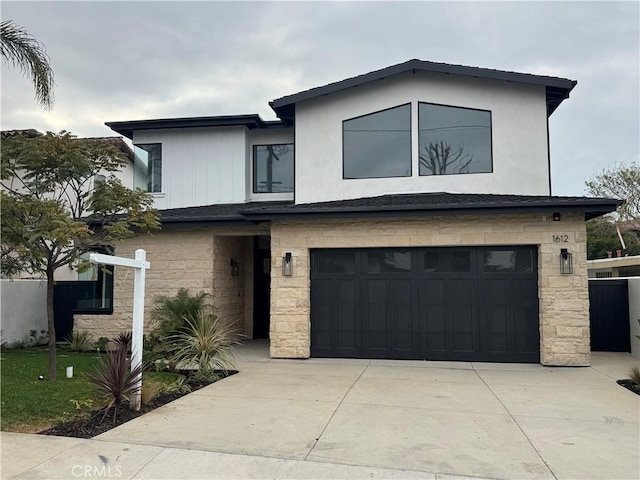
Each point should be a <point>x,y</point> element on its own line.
<point>162,449</point>
<point>518,425</point>
<point>336,411</point>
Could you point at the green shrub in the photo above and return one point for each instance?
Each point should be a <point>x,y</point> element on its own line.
<point>634,375</point>
<point>206,342</point>
<point>169,312</point>
<point>203,376</point>
<point>101,344</point>
<point>80,341</point>
<point>38,338</point>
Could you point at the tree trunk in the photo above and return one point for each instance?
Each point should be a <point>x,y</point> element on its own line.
<point>51,326</point>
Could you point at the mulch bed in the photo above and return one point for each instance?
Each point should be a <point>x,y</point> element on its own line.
<point>630,385</point>
<point>88,427</point>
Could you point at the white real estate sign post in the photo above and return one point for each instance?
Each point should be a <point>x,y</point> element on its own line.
<point>140,264</point>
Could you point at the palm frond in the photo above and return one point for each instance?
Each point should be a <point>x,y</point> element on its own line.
<point>28,54</point>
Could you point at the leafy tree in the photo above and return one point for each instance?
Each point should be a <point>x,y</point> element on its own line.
<point>602,237</point>
<point>622,182</point>
<point>53,210</point>
<point>29,55</point>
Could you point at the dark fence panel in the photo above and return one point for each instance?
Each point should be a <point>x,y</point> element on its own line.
<point>609,315</point>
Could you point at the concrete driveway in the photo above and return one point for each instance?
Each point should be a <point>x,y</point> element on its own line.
<point>380,419</point>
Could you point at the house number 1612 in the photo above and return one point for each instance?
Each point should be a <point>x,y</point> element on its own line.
<point>561,238</point>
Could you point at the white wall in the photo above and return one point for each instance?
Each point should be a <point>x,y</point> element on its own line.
<point>23,307</point>
<point>519,131</point>
<point>200,166</point>
<point>634,313</point>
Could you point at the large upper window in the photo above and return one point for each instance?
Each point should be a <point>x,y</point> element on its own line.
<point>273,168</point>
<point>453,140</point>
<point>148,167</point>
<point>378,145</point>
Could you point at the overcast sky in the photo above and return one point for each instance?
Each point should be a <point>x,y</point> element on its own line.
<point>136,60</point>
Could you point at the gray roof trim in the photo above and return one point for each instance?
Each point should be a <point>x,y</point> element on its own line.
<point>436,204</point>
<point>425,204</point>
<point>557,88</point>
<point>250,121</point>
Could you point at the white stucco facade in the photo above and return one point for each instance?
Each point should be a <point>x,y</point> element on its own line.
<point>519,137</point>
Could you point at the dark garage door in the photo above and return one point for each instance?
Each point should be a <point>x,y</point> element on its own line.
<point>476,303</point>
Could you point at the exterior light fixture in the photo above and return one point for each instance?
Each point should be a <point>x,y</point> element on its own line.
<point>566,262</point>
<point>235,267</point>
<point>287,265</point>
<point>556,216</point>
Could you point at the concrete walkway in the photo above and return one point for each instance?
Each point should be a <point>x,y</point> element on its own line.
<point>327,418</point>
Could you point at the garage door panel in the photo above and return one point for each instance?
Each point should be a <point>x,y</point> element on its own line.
<point>473,303</point>
<point>375,315</point>
<point>404,339</point>
<point>345,314</point>
<point>388,324</point>
<point>320,299</point>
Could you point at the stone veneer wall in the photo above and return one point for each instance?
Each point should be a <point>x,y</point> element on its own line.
<point>229,293</point>
<point>564,300</point>
<point>193,258</point>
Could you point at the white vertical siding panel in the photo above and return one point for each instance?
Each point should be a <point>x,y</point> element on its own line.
<point>225,170</point>
<point>197,183</point>
<point>200,166</point>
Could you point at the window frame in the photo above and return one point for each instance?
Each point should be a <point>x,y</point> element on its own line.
<point>151,192</point>
<point>410,105</point>
<point>459,108</point>
<point>106,287</point>
<point>255,194</point>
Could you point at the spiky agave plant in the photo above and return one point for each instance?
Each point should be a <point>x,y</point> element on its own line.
<point>205,341</point>
<point>113,382</point>
<point>123,340</point>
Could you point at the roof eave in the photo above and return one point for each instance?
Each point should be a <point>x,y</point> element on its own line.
<point>250,121</point>
<point>590,211</point>
<point>283,105</point>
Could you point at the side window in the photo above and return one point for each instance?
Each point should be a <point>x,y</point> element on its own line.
<point>454,140</point>
<point>378,145</point>
<point>94,288</point>
<point>273,168</point>
<point>148,167</point>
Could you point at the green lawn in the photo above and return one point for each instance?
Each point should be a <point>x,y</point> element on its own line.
<point>30,405</point>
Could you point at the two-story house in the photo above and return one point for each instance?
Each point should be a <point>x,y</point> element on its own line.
<point>405,213</point>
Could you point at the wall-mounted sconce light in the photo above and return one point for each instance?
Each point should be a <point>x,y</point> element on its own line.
<point>556,216</point>
<point>235,267</point>
<point>287,265</point>
<point>566,261</point>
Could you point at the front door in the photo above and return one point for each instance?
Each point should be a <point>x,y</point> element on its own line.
<point>261,285</point>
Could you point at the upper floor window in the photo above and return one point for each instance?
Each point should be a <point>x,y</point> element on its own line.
<point>453,140</point>
<point>273,168</point>
<point>148,167</point>
<point>378,145</point>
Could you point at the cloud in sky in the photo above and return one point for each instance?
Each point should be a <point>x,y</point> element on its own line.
<point>132,60</point>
